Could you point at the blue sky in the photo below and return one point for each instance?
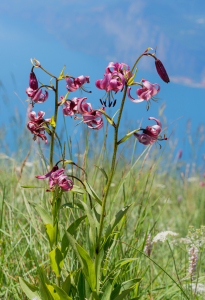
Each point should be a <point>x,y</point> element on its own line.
<point>86,35</point>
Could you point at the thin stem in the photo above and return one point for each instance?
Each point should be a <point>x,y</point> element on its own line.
<point>54,128</point>
<point>111,171</point>
<point>48,72</point>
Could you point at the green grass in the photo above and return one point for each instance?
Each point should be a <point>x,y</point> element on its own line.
<point>151,182</point>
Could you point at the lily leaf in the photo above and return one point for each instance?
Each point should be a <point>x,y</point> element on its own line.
<point>61,74</point>
<point>92,193</point>
<point>103,171</point>
<point>31,291</point>
<point>57,293</point>
<point>46,218</point>
<point>88,267</point>
<point>56,258</point>
<point>64,99</point>
<point>131,80</point>
<point>107,117</point>
<point>52,122</point>
<point>118,217</point>
<point>127,136</point>
<point>71,229</point>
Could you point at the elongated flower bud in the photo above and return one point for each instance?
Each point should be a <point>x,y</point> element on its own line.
<point>33,83</point>
<point>161,71</point>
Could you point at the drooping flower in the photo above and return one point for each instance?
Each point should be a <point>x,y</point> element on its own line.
<point>70,108</point>
<point>161,71</point>
<point>150,133</point>
<point>93,118</point>
<point>37,124</point>
<point>146,92</point>
<point>113,81</point>
<point>32,91</point>
<point>75,83</point>
<point>57,178</point>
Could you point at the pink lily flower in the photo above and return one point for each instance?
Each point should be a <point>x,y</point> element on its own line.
<point>76,83</point>
<point>146,92</point>
<point>120,68</point>
<point>70,108</point>
<point>150,133</point>
<point>93,118</point>
<point>113,80</point>
<point>36,95</point>
<point>57,178</point>
<point>36,124</point>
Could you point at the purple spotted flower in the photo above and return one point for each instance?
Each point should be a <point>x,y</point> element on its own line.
<point>146,93</point>
<point>113,81</point>
<point>93,118</point>
<point>150,133</point>
<point>57,178</point>
<point>75,83</point>
<point>36,125</point>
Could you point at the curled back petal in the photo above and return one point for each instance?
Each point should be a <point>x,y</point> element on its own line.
<point>132,99</point>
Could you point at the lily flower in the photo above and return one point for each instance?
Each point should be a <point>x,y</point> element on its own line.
<point>93,118</point>
<point>146,92</point>
<point>150,134</point>
<point>57,178</point>
<point>37,124</point>
<point>70,108</point>
<point>113,81</point>
<point>32,91</point>
<point>76,83</point>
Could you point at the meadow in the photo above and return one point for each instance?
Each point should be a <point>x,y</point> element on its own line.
<point>121,225</point>
<point>165,194</point>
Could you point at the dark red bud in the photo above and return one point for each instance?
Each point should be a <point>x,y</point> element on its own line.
<point>161,71</point>
<point>33,83</point>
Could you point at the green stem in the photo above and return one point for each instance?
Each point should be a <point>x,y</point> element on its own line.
<point>48,72</point>
<point>54,128</point>
<point>111,171</point>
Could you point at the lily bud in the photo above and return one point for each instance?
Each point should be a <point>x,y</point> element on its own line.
<point>161,71</point>
<point>33,83</point>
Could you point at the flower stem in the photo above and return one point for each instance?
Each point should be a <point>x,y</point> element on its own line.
<point>54,128</point>
<point>111,171</point>
<point>48,72</point>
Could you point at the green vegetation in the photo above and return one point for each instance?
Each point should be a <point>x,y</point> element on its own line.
<point>162,195</point>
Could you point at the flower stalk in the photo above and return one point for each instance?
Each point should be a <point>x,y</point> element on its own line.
<point>55,120</point>
<point>105,193</point>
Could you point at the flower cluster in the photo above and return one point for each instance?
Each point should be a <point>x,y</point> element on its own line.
<point>162,236</point>
<point>93,118</point>
<point>37,125</point>
<point>113,80</point>
<point>193,258</point>
<point>57,178</point>
<point>150,133</point>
